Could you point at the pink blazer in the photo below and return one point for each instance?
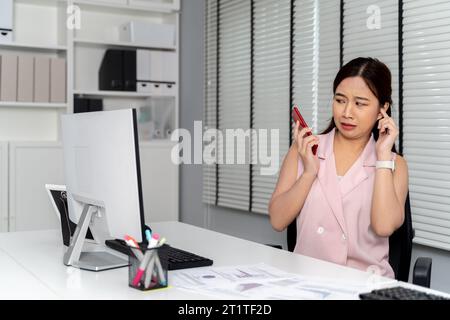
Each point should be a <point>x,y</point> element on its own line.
<point>334,223</point>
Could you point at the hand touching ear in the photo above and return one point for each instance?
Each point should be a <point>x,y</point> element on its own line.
<point>385,108</point>
<point>386,139</point>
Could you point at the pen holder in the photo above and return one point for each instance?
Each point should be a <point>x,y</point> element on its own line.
<point>148,268</point>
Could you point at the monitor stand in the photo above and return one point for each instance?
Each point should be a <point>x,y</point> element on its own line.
<point>92,261</point>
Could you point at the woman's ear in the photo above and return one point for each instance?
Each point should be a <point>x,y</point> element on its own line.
<point>385,108</point>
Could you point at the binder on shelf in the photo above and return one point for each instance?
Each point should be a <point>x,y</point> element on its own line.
<point>156,66</point>
<point>169,66</point>
<point>25,78</point>
<point>111,71</point>
<point>118,70</point>
<point>8,78</point>
<point>87,105</point>
<point>95,105</point>
<point>58,80</point>
<point>138,70</point>
<point>143,58</point>
<point>129,70</point>
<point>80,105</point>
<point>41,79</point>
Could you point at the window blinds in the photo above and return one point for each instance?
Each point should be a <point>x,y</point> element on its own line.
<point>305,60</point>
<point>234,99</point>
<point>316,59</point>
<point>329,58</point>
<point>362,38</point>
<point>271,88</point>
<point>426,79</point>
<point>426,49</point>
<point>210,94</point>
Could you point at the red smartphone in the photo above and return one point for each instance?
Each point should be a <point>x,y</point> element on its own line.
<point>296,115</point>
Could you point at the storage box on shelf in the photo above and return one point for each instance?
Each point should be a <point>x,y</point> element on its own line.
<point>6,21</point>
<point>150,34</point>
<point>27,78</point>
<point>156,120</point>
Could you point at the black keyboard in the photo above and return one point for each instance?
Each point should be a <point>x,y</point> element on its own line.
<point>399,293</point>
<point>178,259</point>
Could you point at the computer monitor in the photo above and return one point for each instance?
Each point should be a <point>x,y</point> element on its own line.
<point>102,173</point>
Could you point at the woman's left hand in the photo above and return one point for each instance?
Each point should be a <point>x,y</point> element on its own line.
<point>386,139</point>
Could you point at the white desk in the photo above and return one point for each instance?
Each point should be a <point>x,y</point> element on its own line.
<point>36,259</point>
<point>17,283</point>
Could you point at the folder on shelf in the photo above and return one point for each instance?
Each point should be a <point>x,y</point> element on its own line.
<point>25,78</point>
<point>156,66</point>
<point>129,70</point>
<point>143,58</point>
<point>87,105</point>
<point>42,79</point>
<point>58,80</point>
<point>80,105</point>
<point>8,78</point>
<point>111,71</point>
<point>95,105</point>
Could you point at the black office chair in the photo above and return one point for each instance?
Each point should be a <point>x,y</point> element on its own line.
<point>400,248</point>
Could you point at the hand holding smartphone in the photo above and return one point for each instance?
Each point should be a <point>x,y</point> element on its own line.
<point>296,115</point>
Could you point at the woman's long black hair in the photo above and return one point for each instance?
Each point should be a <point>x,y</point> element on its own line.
<point>378,78</point>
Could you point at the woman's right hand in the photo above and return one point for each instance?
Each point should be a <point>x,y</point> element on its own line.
<point>305,144</point>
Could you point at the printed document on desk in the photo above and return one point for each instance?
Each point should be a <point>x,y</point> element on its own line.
<point>262,282</point>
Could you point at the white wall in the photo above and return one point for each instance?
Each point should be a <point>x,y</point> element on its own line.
<point>191,104</point>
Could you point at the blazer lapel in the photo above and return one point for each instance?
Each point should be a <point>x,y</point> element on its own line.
<point>328,179</point>
<point>361,169</point>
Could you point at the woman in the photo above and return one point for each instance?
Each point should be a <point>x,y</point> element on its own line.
<point>347,198</point>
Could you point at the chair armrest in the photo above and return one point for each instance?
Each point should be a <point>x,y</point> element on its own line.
<point>422,272</point>
<point>276,246</point>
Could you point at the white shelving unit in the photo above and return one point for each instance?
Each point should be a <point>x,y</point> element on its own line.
<point>35,105</point>
<point>171,6</point>
<point>34,47</point>
<point>119,94</point>
<point>119,44</point>
<point>28,120</point>
<point>35,127</point>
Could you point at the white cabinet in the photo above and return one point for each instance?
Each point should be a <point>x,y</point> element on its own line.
<point>34,164</point>
<point>159,182</point>
<point>31,166</point>
<point>3,186</point>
